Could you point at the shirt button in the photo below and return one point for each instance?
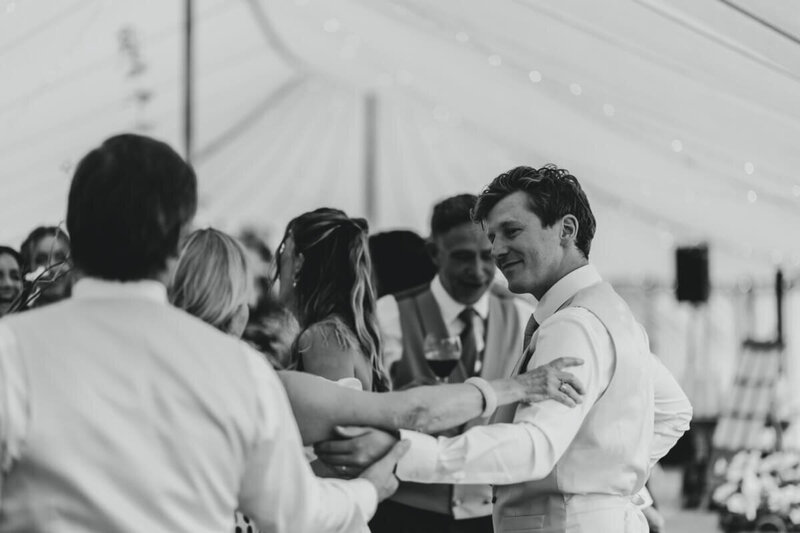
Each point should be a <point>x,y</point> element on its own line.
<point>487,501</point>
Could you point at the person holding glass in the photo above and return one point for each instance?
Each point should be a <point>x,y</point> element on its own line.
<point>458,326</point>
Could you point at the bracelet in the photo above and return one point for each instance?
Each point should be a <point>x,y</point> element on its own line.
<point>488,393</point>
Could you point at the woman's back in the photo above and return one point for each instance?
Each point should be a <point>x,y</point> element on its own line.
<point>330,349</point>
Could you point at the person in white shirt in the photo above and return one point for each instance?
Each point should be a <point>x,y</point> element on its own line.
<point>461,301</point>
<point>120,412</point>
<point>556,469</point>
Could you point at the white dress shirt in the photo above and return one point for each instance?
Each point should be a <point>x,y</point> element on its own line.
<point>388,314</point>
<point>529,448</point>
<point>158,437</point>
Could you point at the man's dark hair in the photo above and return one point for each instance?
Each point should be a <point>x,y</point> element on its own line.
<point>552,193</point>
<point>452,212</point>
<point>400,261</point>
<point>128,203</point>
<point>33,238</point>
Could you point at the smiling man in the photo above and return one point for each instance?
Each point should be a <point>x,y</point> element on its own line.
<point>556,469</point>
<point>461,301</point>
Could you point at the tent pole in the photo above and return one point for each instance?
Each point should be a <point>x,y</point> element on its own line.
<point>370,157</point>
<point>188,81</point>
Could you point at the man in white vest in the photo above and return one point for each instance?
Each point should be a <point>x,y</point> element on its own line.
<point>556,469</point>
<point>462,301</point>
<point>119,412</point>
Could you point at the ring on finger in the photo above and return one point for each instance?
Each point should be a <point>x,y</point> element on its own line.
<point>563,386</point>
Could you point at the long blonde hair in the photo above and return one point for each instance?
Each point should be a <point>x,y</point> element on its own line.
<point>211,280</point>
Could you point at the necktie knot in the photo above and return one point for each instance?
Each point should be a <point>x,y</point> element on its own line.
<point>466,316</point>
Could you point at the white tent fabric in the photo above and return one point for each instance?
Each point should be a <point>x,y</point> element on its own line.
<point>680,117</point>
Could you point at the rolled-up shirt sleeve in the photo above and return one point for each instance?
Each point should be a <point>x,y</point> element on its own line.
<point>530,447</point>
<point>672,412</point>
<point>279,491</point>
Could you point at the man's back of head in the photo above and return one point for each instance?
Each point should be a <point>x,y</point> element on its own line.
<point>130,201</point>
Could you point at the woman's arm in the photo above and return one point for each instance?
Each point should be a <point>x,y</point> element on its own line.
<point>320,405</point>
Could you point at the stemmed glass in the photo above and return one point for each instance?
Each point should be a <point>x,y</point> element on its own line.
<point>442,354</point>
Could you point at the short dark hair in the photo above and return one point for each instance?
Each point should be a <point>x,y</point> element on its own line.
<point>7,250</point>
<point>39,233</point>
<point>552,193</point>
<point>128,204</point>
<point>452,212</point>
<point>400,261</point>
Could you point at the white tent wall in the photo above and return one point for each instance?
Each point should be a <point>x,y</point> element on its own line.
<point>680,117</point>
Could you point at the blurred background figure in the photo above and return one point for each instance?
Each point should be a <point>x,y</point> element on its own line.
<point>271,327</point>
<point>400,261</point>
<point>10,278</point>
<point>46,265</point>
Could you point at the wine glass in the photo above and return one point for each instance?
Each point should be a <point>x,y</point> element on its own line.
<point>442,354</point>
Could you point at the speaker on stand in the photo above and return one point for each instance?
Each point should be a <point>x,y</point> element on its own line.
<point>692,285</point>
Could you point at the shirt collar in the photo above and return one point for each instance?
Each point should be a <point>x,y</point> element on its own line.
<point>144,289</point>
<point>564,289</point>
<point>450,308</point>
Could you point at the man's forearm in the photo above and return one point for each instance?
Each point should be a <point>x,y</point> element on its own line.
<point>430,409</point>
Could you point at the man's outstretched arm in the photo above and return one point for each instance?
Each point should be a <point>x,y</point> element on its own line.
<point>503,453</point>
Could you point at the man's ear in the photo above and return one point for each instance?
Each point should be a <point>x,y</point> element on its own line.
<point>433,250</point>
<point>569,228</point>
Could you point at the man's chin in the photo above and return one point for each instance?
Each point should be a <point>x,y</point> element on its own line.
<point>471,295</point>
<point>517,286</point>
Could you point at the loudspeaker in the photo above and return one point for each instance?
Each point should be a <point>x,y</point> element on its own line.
<point>692,284</point>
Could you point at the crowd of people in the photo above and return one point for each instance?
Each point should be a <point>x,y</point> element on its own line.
<point>155,376</point>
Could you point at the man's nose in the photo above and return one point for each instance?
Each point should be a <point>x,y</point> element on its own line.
<point>499,250</point>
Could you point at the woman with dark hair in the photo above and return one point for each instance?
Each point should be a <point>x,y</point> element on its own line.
<point>10,278</point>
<point>325,275</point>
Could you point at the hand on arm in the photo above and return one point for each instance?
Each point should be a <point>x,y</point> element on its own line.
<point>355,449</point>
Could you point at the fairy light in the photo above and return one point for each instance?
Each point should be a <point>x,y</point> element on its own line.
<point>749,168</point>
<point>677,145</point>
<point>462,37</point>
<point>495,60</point>
<point>576,89</point>
<point>535,76</point>
<point>752,197</point>
<point>609,110</point>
